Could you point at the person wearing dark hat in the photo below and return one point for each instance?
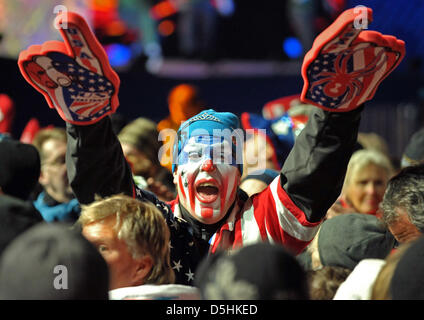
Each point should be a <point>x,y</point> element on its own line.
<point>19,168</point>
<point>211,213</point>
<point>345,240</point>
<point>16,216</point>
<point>52,262</point>
<point>414,151</point>
<point>276,275</point>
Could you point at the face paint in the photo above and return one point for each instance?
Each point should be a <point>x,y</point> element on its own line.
<point>208,177</point>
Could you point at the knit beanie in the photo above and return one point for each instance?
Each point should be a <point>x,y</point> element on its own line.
<point>143,135</point>
<point>261,271</point>
<point>53,262</point>
<point>408,278</point>
<point>347,239</point>
<point>225,125</point>
<point>16,216</point>
<point>19,167</point>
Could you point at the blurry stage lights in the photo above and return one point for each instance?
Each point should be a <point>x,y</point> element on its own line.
<point>292,47</point>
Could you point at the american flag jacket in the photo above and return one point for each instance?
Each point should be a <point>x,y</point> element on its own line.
<point>288,212</point>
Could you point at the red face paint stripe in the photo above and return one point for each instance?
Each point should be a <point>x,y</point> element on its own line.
<point>224,186</point>
<point>191,191</point>
<point>180,184</point>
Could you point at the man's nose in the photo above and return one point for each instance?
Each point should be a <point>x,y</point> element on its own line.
<point>208,166</point>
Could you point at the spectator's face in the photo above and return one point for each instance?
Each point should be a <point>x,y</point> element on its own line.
<point>122,265</point>
<point>366,188</point>
<point>54,176</point>
<point>207,178</point>
<point>140,164</point>
<point>403,229</point>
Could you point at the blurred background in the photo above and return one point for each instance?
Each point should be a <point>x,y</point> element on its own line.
<point>241,54</point>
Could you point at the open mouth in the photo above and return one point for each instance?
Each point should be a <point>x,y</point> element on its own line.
<point>207,191</point>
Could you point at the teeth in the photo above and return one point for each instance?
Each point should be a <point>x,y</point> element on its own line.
<point>206,184</point>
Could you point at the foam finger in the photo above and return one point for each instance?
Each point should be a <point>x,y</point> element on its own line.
<point>81,42</point>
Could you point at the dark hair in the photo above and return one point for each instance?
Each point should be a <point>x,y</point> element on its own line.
<point>323,283</point>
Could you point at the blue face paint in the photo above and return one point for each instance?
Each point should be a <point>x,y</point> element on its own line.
<point>200,148</point>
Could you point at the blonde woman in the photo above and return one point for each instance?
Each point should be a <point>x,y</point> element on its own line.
<point>365,183</point>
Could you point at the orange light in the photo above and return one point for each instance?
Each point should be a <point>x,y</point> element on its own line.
<point>104,5</point>
<point>166,28</point>
<point>163,10</point>
<point>115,28</point>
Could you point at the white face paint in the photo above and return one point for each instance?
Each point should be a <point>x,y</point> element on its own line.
<point>207,178</point>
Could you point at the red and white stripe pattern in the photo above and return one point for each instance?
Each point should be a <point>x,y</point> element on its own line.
<point>268,216</point>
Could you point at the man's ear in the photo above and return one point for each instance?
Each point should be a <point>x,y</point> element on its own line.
<point>42,178</point>
<point>143,267</point>
<point>175,177</point>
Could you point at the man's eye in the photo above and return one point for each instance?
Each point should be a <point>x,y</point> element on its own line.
<point>102,248</point>
<point>194,155</point>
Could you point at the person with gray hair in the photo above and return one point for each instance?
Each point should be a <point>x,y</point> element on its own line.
<point>403,204</point>
<point>366,179</point>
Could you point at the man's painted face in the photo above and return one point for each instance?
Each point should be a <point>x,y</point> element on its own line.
<point>207,177</point>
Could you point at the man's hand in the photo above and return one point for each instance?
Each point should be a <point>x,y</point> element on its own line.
<point>74,76</point>
<point>346,64</point>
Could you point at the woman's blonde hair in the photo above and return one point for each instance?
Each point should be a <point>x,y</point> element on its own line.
<point>362,158</point>
<point>143,228</point>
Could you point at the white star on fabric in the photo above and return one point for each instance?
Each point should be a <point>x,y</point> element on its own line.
<point>190,275</point>
<point>170,245</point>
<point>174,224</point>
<point>102,88</point>
<point>138,191</point>
<point>177,265</point>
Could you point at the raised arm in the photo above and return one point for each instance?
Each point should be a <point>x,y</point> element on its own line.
<point>77,80</point>
<point>95,162</point>
<point>341,71</point>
